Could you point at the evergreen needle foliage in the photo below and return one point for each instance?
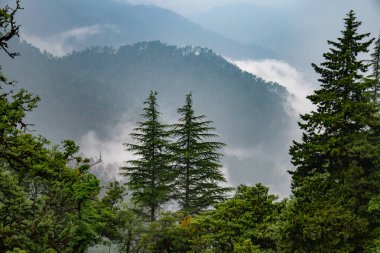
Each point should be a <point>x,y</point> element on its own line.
<point>49,200</point>
<point>197,161</point>
<point>337,161</point>
<point>150,175</point>
<point>375,63</point>
<point>343,107</point>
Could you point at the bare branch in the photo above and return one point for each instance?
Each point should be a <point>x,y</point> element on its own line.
<point>9,27</point>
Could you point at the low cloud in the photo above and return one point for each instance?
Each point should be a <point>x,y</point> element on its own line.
<point>257,165</point>
<point>281,72</point>
<point>112,151</point>
<point>62,43</point>
<point>242,153</point>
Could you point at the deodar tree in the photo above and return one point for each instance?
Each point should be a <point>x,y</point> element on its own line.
<point>150,176</point>
<point>197,161</point>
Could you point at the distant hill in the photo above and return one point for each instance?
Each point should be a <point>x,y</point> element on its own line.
<point>286,30</point>
<point>76,25</point>
<point>295,30</point>
<point>99,88</point>
<point>267,24</point>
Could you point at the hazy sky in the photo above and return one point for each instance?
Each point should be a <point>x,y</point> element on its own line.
<point>303,25</point>
<point>187,7</point>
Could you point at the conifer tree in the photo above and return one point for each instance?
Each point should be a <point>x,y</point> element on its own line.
<point>197,161</point>
<point>150,175</point>
<point>375,64</point>
<point>337,159</point>
<point>343,106</point>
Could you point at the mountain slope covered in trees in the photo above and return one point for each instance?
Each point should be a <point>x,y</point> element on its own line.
<point>97,88</point>
<point>50,201</point>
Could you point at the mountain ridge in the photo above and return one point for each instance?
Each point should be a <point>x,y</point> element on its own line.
<point>97,88</point>
<point>116,24</point>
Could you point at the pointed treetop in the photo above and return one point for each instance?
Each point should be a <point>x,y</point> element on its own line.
<point>342,59</point>
<point>375,63</point>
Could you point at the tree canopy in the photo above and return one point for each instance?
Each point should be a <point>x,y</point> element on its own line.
<point>197,161</point>
<point>51,202</point>
<point>337,161</point>
<point>150,176</point>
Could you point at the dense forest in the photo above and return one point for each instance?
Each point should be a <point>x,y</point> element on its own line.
<point>175,198</point>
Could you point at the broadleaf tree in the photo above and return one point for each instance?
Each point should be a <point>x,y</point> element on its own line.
<point>45,205</point>
<point>245,223</point>
<point>9,27</point>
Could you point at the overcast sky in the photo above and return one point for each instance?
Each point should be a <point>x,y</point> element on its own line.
<point>188,7</point>
<point>308,23</point>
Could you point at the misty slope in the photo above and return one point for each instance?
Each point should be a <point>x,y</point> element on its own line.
<point>76,25</point>
<point>99,88</point>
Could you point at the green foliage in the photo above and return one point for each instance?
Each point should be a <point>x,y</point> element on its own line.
<point>150,176</point>
<point>17,250</point>
<point>197,161</point>
<point>375,64</point>
<point>122,225</point>
<point>8,27</point>
<point>131,230</point>
<point>337,160</point>
<point>55,203</point>
<point>245,223</point>
<point>161,235</point>
<point>45,204</point>
<point>49,199</point>
<point>320,217</point>
<point>114,195</point>
<point>248,222</point>
<point>344,110</point>
<point>14,207</point>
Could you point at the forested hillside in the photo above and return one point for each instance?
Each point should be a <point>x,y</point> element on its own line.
<point>172,196</point>
<point>99,88</point>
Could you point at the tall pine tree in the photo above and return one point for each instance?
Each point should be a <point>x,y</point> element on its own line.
<point>375,64</point>
<point>197,161</point>
<point>374,205</point>
<point>150,175</point>
<point>337,159</point>
<point>343,106</point>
